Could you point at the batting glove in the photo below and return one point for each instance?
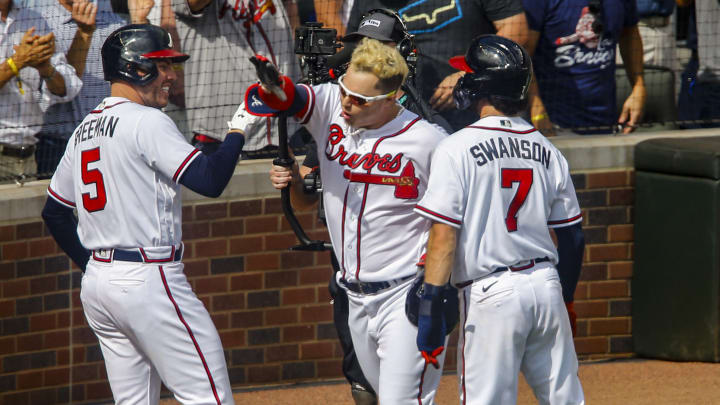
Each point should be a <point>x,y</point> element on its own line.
<point>243,121</point>
<point>269,76</point>
<point>431,324</point>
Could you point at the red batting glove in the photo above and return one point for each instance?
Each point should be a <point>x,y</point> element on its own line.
<point>573,317</point>
<point>431,358</point>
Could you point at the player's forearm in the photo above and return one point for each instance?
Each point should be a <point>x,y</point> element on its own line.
<point>208,175</point>
<point>77,54</point>
<point>62,224</point>
<point>440,254</point>
<point>571,246</point>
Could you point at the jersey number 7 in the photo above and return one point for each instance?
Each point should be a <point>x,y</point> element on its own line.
<point>93,176</point>
<point>525,178</point>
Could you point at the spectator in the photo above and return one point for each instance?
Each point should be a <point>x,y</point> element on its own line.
<point>80,28</point>
<point>574,42</point>
<point>328,12</point>
<point>699,100</point>
<point>441,33</point>
<point>33,76</point>
<point>657,30</point>
<point>222,35</point>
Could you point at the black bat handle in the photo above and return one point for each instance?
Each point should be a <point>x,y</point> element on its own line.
<point>285,160</point>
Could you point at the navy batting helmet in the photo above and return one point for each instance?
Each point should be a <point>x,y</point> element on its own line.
<point>495,66</point>
<point>132,48</point>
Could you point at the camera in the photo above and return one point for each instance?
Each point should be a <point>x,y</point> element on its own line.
<point>314,44</point>
<point>312,183</point>
<point>312,39</point>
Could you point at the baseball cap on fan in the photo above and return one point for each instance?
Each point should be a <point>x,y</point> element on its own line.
<point>378,26</point>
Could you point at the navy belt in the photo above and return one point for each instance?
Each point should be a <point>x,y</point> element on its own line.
<point>373,287</point>
<point>532,263</point>
<point>138,255</point>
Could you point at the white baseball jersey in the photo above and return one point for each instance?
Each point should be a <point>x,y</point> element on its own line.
<point>372,180</point>
<point>120,170</point>
<point>503,184</point>
<point>371,183</point>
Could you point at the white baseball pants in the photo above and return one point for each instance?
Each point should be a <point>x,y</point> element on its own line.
<point>512,322</point>
<point>386,348</point>
<point>153,328</point>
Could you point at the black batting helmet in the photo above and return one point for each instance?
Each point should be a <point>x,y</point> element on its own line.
<point>134,47</point>
<point>495,66</point>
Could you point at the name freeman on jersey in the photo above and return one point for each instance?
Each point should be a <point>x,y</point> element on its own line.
<point>510,147</point>
<point>102,126</point>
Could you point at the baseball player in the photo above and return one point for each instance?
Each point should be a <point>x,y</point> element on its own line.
<point>122,171</point>
<point>496,187</point>
<point>374,160</point>
<point>387,27</point>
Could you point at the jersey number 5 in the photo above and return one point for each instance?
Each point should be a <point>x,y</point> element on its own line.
<point>92,176</point>
<point>525,178</point>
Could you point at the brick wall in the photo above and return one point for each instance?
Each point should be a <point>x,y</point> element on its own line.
<point>602,298</point>
<point>271,306</point>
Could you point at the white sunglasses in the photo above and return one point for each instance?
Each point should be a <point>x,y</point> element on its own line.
<point>359,99</point>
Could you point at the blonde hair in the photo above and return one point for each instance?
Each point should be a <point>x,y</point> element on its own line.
<point>383,61</point>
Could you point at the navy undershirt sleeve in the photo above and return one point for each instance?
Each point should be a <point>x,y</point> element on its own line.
<point>571,245</point>
<point>62,224</point>
<point>209,174</point>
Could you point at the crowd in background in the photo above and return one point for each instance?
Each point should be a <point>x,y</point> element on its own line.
<point>51,72</point>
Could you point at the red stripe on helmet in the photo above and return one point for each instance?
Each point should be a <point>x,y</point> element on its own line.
<point>165,53</point>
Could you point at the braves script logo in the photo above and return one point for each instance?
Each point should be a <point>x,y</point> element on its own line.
<point>405,184</point>
<point>584,45</point>
<point>249,10</point>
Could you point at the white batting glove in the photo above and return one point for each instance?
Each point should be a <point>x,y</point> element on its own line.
<point>244,121</point>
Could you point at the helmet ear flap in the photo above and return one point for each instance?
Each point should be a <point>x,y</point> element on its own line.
<point>464,92</point>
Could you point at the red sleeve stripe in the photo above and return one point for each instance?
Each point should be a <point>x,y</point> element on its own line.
<point>184,164</point>
<point>107,107</point>
<point>527,131</point>
<point>61,200</point>
<point>305,114</point>
<point>565,221</point>
<point>437,215</point>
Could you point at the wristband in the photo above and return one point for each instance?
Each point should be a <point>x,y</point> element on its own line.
<point>538,117</point>
<point>16,72</point>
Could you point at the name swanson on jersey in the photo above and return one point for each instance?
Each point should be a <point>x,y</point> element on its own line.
<point>101,126</point>
<point>510,147</point>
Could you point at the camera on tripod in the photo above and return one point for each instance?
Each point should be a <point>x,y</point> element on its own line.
<point>314,44</point>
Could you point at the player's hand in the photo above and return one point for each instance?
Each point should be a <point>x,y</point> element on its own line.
<point>633,109</point>
<point>245,122</point>
<point>431,324</point>
<point>442,99</point>
<point>139,10</point>
<point>281,176</point>
<point>84,13</point>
